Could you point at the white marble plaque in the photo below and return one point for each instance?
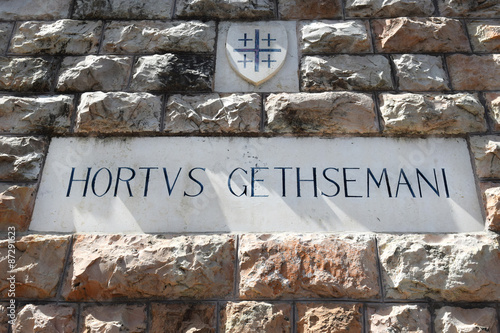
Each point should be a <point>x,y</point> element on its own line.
<point>192,184</point>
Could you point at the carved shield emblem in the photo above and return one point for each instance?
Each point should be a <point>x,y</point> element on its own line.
<point>256,51</point>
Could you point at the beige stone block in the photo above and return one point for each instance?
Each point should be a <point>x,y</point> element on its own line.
<point>393,8</point>
<point>492,202</point>
<point>4,319</point>
<point>184,317</point>
<point>420,72</point>
<point>493,103</point>
<point>114,318</point>
<point>16,206</point>
<point>26,74</point>
<point>399,318</point>
<point>221,9</point>
<point>5,31</point>
<point>486,151</point>
<point>21,157</point>
<point>485,35</point>
<point>250,317</point>
<point>474,72</point>
<point>309,9</point>
<point>469,8</point>
<point>329,318</point>
<point>453,319</point>
<point>34,9</point>
<point>46,318</point>
<point>123,9</point>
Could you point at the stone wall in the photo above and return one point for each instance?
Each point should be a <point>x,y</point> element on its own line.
<point>146,68</point>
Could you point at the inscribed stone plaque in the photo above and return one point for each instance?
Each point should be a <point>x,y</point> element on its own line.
<point>194,184</point>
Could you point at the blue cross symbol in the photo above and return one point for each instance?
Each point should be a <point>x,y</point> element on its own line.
<point>257,50</point>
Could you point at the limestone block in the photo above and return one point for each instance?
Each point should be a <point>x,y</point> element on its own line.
<point>453,319</point>
<point>159,37</point>
<point>391,8</point>
<point>345,72</point>
<point>16,206</point>
<point>59,37</point>
<point>34,9</point>
<point>399,318</point>
<point>39,264</point>
<point>185,317</point>
<point>123,9</point>
<point>327,317</point>
<point>150,266</point>
<point>213,113</point>
<point>452,267</point>
<point>493,103</point>
<point>310,9</point>
<point>4,319</point>
<point>169,72</point>
<point>474,72</point>
<point>414,35</point>
<point>469,8</point>
<point>492,202</point>
<point>334,37</point>
<point>312,265</point>
<point>5,31</point>
<point>250,317</point>
<point>35,114</point>
<point>90,73</point>
<point>114,318</point>
<point>118,112</point>
<point>486,151</point>
<point>46,318</point>
<point>21,157</point>
<point>420,72</point>
<point>223,9</point>
<point>432,113</point>
<point>26,74</point>
<point>485,35</point>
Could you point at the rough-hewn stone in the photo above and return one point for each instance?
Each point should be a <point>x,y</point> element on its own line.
<point>26,74</point>
<point>492,203</point>
<point>307,9</point>
<point>16,206</point>
<point>39,264</point>
<point>169,72</point>
<point>5,31</point>
<point>453,319</point>
<point>345,72</point>
<point>34,9</point>
<point>114,318</point>
<point>123,9</point>
<point>4,319</point>
<point>35,114</point>
<point>485,35</point>
<point>213,113</point>
<point>60,37</point>
<point>319,265</point>
<point>159,36</point>
<point>145,266</point>
<point>185,317</point>
<point>453,267</point>
<point>493,103</point>
<point>324,113</point>
<point>432,113</point>
<point>21,157</point>
<point>334,37</point>
<point>118,112</point>
<point>392,8</point>
<point>414,35</point>
<point>222,9</point>
<point>91,73</point>
<point>250,317</point>
<point>328,317</point>
<point>46,318</point>
<point>469,8</point>
<point>399,318</point>
<point>420,72</point>
<point>486,150</point>
<point>474,72</point>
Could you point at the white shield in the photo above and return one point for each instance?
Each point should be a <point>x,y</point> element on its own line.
<point>256,51</point>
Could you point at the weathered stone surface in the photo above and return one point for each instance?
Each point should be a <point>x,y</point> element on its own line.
<point>420,72</point>
<point>4,319</point>
<point>26,74</point>
<point>35,114</point>
<point>334,37</point>
<point>186,317</point>
<point>123,9</point>
<point>169,72</point>
<point>345,72</point>
<point>474,72</point>
<point>5,31</point>
<point>492,203</point>
<point>399,318</point>
<point>250,317</point>
<point>34,9</point>
<point>413,35</point>
<point>453,267</point>
<point>432,113</point>
<point>145,266</point>
<point>493,103</point>
<point>485,35</point>
<point>452,319</point>
<point>213,113</point>
<point>324,113</point>
<point>21,157</point>
<point>46,318</point>
<point>327,317</point>
<point>159,37</point>
<point>39,264</point>
<point>114,318</point>
<point>307,9</point>
<point>469,8</point>
<point>118,112</point>
<point>486,150</point>
<point>222,9</point>
<point>16,206</point>
<point>90,73</point>
<point>319,265</point>
<point>391,8</point>
<point>60,37</point>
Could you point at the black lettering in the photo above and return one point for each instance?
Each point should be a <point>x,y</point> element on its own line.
<point>445,183</point>
<point>283,179</point>
<point>378,183</point>
<point>118,179</point>
<point>407,183</point>
<point>146,182</point>
<point>331,181</point>
<point>71,180</point>
<point>314,180</point>
<point>435,189</point>
<point>257,180</point>
<point>229,183</point>
<point>346,192</point>
<point>110,180</point>
<point>193,179</point>
<point>165,173</point>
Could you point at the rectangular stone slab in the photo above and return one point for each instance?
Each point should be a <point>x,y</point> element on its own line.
<point>197,184</point>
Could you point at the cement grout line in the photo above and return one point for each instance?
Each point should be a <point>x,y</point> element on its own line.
<point>66,265</point>
<point>11,36</point>
<point>236,275</point>
<point>101,37</point>
<point>294,316</point>
<point>379,266</point>
<point>163,112</point>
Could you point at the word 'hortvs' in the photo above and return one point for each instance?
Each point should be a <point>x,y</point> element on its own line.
<point>348,182</point>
